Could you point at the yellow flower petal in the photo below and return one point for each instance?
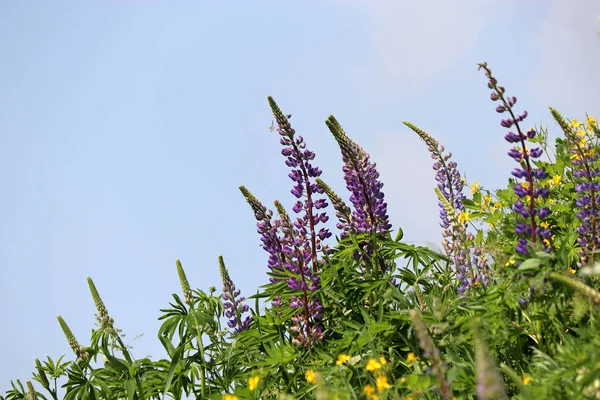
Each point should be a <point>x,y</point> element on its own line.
<point>253,382</point>
<point>373,365</point>
<point>342,358</point>
<point>311,376</point>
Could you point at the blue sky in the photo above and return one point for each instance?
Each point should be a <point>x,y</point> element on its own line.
<point>126,127</point>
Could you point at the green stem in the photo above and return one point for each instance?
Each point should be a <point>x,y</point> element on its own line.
<point>203,364</point>
<point>125,352</point>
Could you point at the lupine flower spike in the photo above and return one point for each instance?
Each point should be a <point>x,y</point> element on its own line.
<point>489,383</point>
<point>431,352</point>
<point>362,180</point>
<point>450,186</point>
<point>306,327</point>
<point>75,346</point>
<point>268,232</point>
<point>342,211</point>
<point>528,193</point>
<point>460,250</point>
<point>303,174</point>
<point>586,171</point>
<point>234,307</point>
<point>105,321</point>
<point>185,285</point>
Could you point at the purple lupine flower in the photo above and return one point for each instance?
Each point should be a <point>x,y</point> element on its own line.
<point>446,173</point>
<point>455,235</point>
<point>268,232</point>
<point>342,211</point>
<point>459,250</point>
<point>586,171</point>
<point>234,306</point>
<point>306,326</point>
<point>526,190</point>
<point>362,180</point>
<point>303,174</point>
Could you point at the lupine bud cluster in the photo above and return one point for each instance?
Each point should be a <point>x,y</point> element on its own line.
<point>75,346</point>
<point>303,173</point>
<point>31,391</point>
<point>362,180</point>
<point>185,285</point>
<point>105,321</point>
<point>234,307</point>
<point>528,191</point>
<point>586,171</point>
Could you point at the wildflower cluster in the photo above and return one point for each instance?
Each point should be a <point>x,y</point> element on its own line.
<point>271,242</point>
<point>234,303</point>
<point>376,367</point>
<point>303,173</point>
<point>586,171</point>
<point>454,218</point>
<point>362,181</point>
<point>528,192</point>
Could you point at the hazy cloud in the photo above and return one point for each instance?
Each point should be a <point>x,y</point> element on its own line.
<point>415,41</point>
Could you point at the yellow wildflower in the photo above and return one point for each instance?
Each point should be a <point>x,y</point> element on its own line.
<point>403,380</point>
<point>490,225</point>
<point>409,398</point>
<point>411,357</point>
<point>373,365</point>
<point>342,358</point>
<point>510,262</point>
<point>382,360</point>
<point>487,199</point>
<point>590,121</point>
<point>475,187</point>
<point>526,380</point>
<point>546,242</point>
<point>544,224</point>
<point>572,270</point>
<point>556,179</point>
<point>311,376</point>
<point>369,390</point>
<point>574,123</point>
<point>498,205</point>
<point>382,383</point>
<point>229,397</point>
<point>253,382</point>
<point>464,217</point>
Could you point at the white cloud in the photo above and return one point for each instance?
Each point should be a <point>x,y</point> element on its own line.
<point>415,41</point>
